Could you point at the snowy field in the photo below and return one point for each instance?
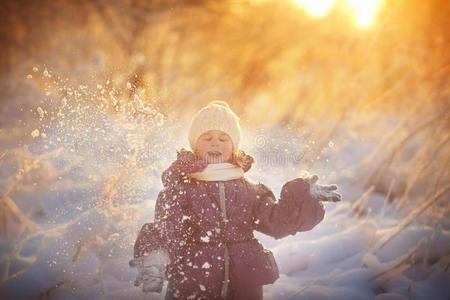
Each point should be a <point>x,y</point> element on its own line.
<point>85,177</point>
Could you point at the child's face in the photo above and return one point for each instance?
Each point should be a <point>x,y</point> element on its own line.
<point>215,147</point>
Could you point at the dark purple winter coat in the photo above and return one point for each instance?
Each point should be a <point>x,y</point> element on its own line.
<point>190,226</point>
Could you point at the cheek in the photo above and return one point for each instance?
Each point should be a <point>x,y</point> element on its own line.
<point>200,149</point>
<point>227,150</point>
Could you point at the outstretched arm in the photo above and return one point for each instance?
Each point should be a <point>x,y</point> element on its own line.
<point>296,210</point>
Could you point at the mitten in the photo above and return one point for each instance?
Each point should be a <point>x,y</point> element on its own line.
<point>323,192</point>
<point>186,163</point>
<point>151,269</point>
<point>244,160</point>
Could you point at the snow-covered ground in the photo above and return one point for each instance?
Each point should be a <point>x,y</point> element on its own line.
<point>76,193</point>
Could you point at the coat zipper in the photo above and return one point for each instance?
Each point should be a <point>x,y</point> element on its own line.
<point>226,255</point>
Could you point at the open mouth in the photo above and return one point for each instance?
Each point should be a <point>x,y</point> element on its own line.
<point>214,153</point>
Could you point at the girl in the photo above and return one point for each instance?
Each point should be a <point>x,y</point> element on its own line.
<point>202,238</point>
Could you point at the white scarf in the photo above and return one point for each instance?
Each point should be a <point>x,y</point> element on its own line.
<point>219,172</point>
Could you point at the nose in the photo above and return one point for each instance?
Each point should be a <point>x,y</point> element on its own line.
<point>214,142</point>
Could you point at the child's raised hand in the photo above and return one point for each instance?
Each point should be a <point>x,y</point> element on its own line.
<point>326,193</point>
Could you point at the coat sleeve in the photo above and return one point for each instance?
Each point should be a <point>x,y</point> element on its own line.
<point>147,240</point>
<point>171,176</point>
<point>295,211</point>
<point>166,232</point>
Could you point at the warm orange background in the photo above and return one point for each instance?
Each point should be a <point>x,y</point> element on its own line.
<point>262,55</point>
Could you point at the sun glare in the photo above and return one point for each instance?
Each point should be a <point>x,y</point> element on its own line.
<point>363,10</point>
<point>317,8</point>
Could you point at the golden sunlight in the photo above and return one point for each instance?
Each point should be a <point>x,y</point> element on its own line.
<point>317,8</point>
<point>364,10</point>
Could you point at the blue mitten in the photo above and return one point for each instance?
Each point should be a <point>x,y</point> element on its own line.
<point>325,193</point>
<point>151,269</point>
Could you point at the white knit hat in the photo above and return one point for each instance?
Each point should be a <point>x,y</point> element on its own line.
<point>217,115</point>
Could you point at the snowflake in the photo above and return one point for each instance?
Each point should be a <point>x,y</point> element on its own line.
<point>206,265</point>
<point>35,133</point>
<point>193,296</point>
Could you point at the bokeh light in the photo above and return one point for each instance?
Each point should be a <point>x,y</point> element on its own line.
<point>317,8</point>
<point>363,11</point>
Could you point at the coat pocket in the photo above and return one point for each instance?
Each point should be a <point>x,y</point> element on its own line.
<point>255,266</point>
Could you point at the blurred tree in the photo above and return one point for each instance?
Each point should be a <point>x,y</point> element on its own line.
<point>260,56</point>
